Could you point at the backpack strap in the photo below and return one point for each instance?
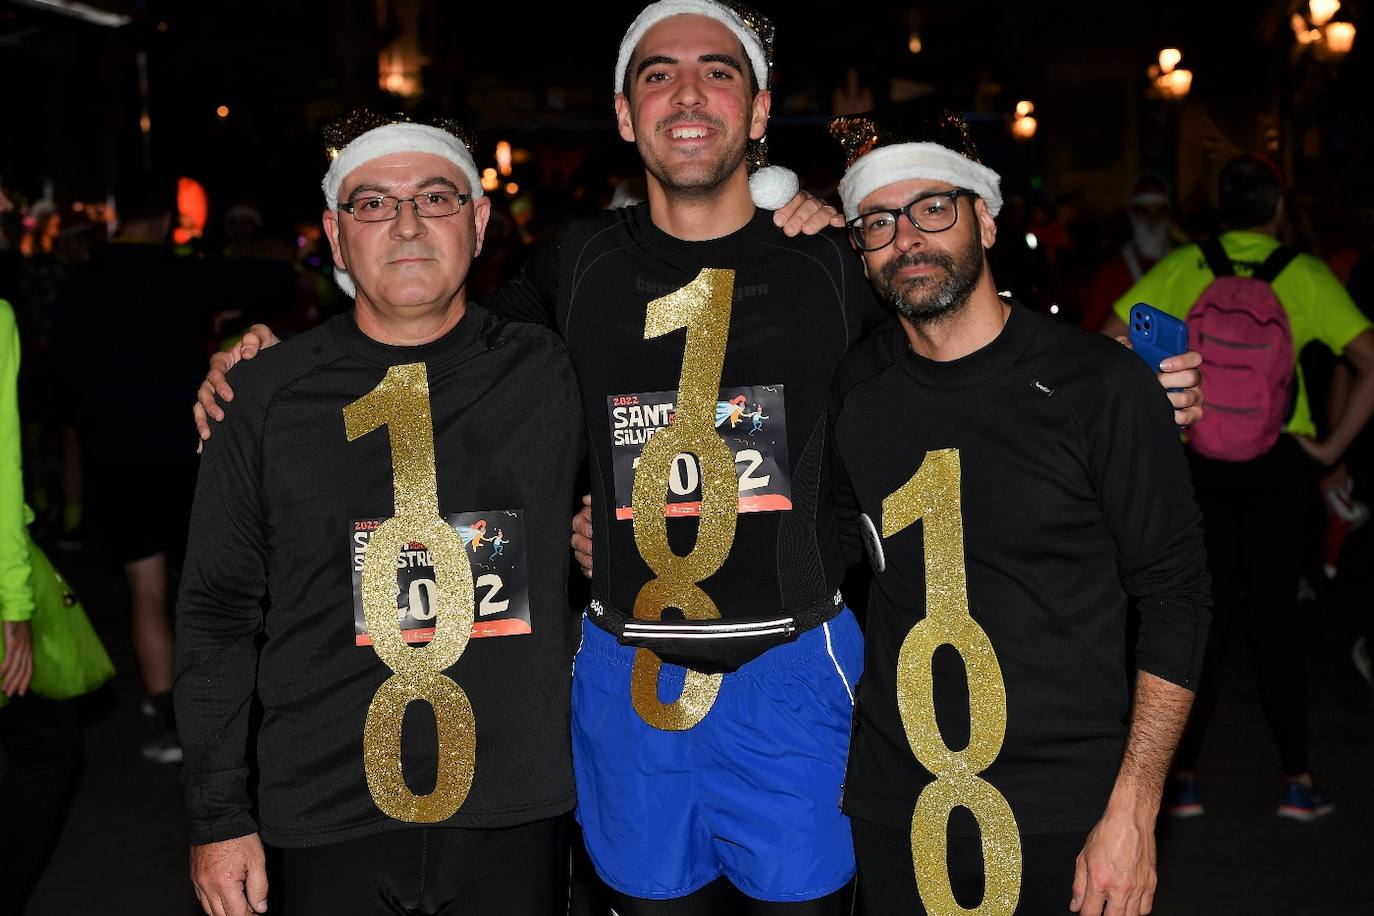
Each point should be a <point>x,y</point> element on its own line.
<point>1217,261</point>
<point>1273,265</point>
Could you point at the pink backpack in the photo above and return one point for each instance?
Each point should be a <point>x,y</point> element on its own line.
<point>1241,329</point>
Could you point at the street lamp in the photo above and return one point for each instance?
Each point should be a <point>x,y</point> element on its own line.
<point>1329,40</point>
<point>1167,79</point>
<point>1340,37</point>
<point>1321,11</point>
<point>1024,126</point>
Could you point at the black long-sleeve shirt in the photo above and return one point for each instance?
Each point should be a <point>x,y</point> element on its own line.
<point>799,303</point>
<point>267,602</point>
<point>1075,495</point>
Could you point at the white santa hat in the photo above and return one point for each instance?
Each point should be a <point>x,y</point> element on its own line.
<point>364,136</point>
<point>918,139</point>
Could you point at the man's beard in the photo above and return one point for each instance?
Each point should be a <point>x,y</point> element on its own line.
<point>700,184</point>
<point>927,299</point>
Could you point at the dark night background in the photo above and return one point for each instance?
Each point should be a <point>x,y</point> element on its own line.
<point>539,77</point>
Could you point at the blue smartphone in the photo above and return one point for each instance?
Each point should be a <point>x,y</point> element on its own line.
<point>1156,336</point>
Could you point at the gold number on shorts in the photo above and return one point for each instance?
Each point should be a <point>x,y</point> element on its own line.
<point>703,308</point>
<point>932,495</point>
<point>401,404</point>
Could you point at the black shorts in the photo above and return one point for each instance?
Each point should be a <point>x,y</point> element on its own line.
<point>141,507</point>
<point>887,878</point>
<point>446,871</point>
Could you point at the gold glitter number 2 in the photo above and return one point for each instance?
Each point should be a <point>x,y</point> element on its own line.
<point>703,308</point>
<point>932,495</point>
<point>401,404</point>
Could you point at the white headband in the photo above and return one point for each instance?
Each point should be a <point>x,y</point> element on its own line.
<point>655,13</point>
<point>402,137</point>
<point>905,161</point>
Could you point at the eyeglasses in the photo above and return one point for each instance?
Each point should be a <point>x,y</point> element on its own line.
<point>933,212</point>
<point>429,205</point>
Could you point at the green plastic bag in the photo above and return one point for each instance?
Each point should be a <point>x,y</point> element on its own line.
<point>68,657</point>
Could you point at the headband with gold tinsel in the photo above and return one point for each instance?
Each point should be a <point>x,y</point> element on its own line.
<point>365,135</point>
<point>753,29</point>
<point>356,123</point>
<point>770,186</point>
<point>922,138</point>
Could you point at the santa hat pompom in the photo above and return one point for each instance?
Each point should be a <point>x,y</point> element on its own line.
<point>773,186</point>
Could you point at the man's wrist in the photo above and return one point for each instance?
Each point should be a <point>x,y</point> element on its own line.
<point>1134,800</point>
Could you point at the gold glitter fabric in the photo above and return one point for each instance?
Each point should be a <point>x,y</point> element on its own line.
<point>760,25</point>
<point>922,120</point>
<point>932,496</point>
<point>703,308</point>
<point>401,404</point>
<point>356,123</point>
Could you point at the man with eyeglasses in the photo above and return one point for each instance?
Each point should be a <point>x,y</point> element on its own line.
<point>1027,482</point>
<point>412,753</point>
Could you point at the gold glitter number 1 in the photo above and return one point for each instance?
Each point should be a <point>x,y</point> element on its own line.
<point>401,404</point>
<point>703,308</point>
<point>933,497</point>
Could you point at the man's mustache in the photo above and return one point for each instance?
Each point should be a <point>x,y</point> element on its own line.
<point>427,253</point>
<point>688,117</point>
<point>918,259</point>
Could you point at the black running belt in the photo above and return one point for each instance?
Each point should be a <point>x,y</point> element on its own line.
<point>712,645</point>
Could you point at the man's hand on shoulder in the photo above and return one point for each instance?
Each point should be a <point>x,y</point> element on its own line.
<point>1115,873</point>
<point>230,877</point>
<point>806,215</point>
<point>216,385</point>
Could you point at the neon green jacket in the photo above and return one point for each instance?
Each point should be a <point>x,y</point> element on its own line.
<point>16,591</point>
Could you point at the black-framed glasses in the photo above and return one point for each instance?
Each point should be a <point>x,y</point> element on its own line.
<point>368,208</point>
<point>933,212</point>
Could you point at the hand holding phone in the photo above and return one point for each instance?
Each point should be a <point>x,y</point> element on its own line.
<point>1154,335</point>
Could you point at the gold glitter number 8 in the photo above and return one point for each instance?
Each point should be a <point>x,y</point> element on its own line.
<point>932,496</point>
<point>401,404</point>
<point>703,308</point>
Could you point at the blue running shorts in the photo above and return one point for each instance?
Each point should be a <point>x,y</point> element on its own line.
<point>751,793</point>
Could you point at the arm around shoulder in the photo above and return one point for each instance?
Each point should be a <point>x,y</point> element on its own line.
<point>219,614</point>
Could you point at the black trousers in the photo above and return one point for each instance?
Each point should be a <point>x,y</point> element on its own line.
<point>40,747</point>
<point>1254,514</point>
<point>887,878</point>
<point>513,871</point>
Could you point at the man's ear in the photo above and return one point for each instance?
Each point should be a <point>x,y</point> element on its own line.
<point>624,118</point>
<point>986,223</point>
<point>863,259</point>
<point>481,212</point>
<point>330,218</point>
<point>758,119</point>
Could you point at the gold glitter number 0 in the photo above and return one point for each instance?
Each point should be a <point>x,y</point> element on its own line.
<point>401,404</point>
<point>703,308</point>
<point>932,496</point>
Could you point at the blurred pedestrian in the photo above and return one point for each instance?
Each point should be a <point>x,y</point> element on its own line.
<point>1148,212</point>
<point>135,320</point>
<point>1252,305</point>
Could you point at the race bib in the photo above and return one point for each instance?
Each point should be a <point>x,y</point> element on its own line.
<point>495,542</point>
<point>751,419</point>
